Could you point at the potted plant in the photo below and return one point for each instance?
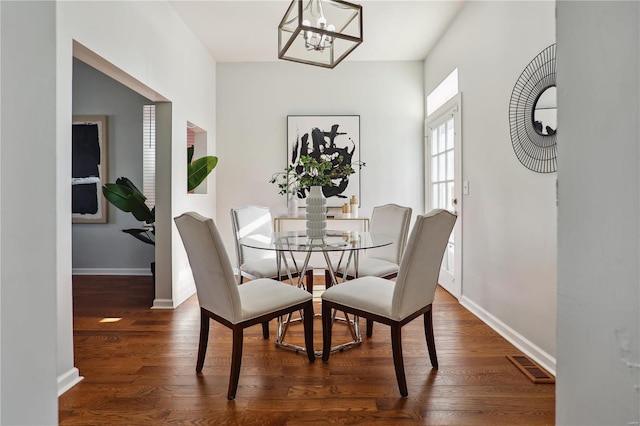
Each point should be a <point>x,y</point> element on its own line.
<point>323,170</point>
<point>314,178</point>
<point>127,197</point>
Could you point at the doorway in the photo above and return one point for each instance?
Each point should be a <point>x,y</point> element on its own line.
<point>443,183</point>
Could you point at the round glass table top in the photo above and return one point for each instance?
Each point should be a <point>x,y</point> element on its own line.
<point>299,242</point>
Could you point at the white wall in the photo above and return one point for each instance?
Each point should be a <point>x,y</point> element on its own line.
<point>104,248</point>
<point>151,47</point>
<point>254,100</point>
<point>509,216</point>
<point>599,213</point>
<point>28,221</point>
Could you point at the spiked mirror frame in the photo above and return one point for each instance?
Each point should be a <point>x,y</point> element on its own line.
<point>535,150</point>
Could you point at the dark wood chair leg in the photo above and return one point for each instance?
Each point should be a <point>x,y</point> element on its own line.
<point>369,328</point>
<point>308,331</point>
<point>396,347</point>
<point>265,330</point>
<point>241,277</point>
<point>326,331</point>
<point>204,339</point>
<point>309,280</point>
<point>428,332</point>
<point>327,279</point>
<point>236,361</point>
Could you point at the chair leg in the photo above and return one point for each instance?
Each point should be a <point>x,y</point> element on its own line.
<point>309,280</point>
<point>204,339</point>
<point>265,330</point>
<point>241,277</point>
<point>308,331</point>
<point>327,279</point>
<point>236,361</point>
<point>431,343</point>
<point>326,331</point>
<point>369,327</point>
<point>396,347</point>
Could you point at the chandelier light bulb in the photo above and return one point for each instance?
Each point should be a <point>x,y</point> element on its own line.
<point>331,28</point>
<point>307,34</point>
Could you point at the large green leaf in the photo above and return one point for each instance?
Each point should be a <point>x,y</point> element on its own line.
<point>142,212</point>
<point>144,235</point>
<point>128,199</point>
<point>199,169</point>
<point>118,195</point>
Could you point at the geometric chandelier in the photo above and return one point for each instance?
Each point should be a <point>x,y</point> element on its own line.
<point>319,32</point>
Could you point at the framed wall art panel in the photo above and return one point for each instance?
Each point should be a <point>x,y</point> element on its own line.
<point>88,169</point>
<point>328,136</point>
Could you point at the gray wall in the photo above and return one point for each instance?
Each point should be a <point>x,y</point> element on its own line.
<point>598,379</point>
<point>254,100</point>
<point>104,248</point>
<point>509,216</point>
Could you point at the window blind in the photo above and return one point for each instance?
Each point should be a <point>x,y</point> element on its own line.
<point>149,154</point>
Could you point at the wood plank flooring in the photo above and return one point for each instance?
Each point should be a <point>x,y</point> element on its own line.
<point>140,370</point>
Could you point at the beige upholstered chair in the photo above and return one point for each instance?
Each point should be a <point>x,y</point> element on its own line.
<point>383,262</point>
<point>236,307</point>
<point>254,263</point>
<point>397,303</point>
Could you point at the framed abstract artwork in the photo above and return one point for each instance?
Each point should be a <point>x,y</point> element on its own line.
<point>328,137</point>
<point>88,169</point>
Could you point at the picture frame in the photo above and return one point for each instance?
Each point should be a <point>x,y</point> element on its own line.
<point>89,169</point>
<point>337,135</point>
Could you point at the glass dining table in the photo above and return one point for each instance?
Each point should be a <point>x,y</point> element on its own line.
<point>347,244</point>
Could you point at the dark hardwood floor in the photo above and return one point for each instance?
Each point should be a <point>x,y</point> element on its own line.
<point>140,370</point>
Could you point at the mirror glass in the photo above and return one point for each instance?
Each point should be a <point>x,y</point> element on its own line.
<point>545,112</point>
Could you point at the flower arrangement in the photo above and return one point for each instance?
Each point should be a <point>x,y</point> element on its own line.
<point>323,170</point>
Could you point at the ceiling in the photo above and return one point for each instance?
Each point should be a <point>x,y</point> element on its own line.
<point>247,30</point>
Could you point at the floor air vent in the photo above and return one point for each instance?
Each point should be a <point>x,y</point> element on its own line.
<point>530,369</point>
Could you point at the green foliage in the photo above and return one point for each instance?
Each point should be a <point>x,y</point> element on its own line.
<point>309,171</point>
<point>198,171</point>
<point>127,197</point>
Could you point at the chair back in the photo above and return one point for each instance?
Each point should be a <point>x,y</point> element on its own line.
<point>249,220</point>
<point>212,271</point>
<point>392,220</point>
<point>420,267</point>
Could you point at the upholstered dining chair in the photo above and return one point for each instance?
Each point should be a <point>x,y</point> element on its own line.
<point>254,263</point>
<point>383,262</point>
<point>397,303</point>
<point>235,306</point>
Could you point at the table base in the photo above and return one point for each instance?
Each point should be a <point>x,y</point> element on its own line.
<point>353,324</point>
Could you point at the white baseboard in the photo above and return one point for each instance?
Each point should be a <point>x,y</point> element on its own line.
<point>162,304</point>
<point>545,360</point>
<point>68,380</point>
<point>185,293</point>
<point>111,271</point>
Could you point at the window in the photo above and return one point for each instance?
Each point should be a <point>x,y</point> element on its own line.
<point>441,94</point>
<point>149,154</point>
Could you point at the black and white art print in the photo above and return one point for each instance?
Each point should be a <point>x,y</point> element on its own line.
<point>88,169</point>
<point>328,136</point>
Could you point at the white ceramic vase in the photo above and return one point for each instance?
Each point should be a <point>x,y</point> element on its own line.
<point>316,213</point>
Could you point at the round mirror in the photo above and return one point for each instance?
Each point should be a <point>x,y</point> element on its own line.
<point>544,112</point>
<point>532,114</point>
